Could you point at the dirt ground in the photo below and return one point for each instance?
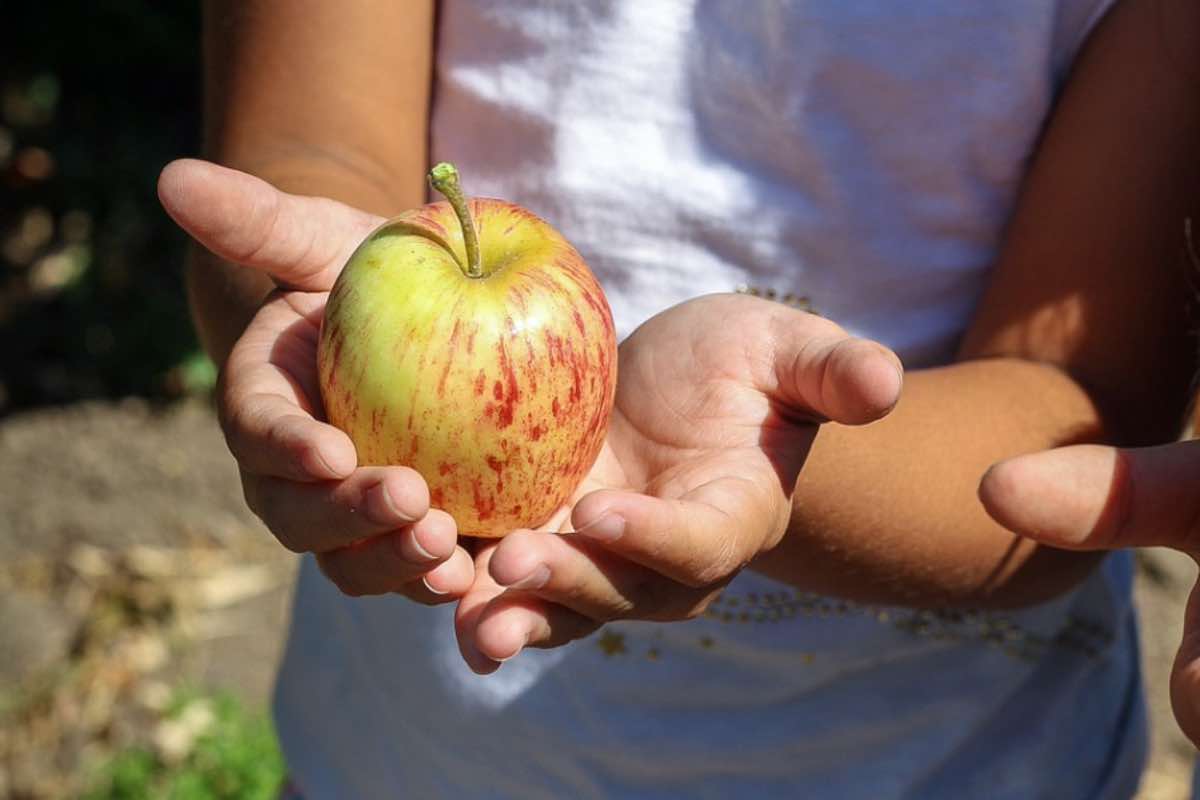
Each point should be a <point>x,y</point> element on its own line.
<point>129,566</point>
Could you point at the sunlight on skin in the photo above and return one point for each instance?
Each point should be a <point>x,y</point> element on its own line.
<point>1090,497</point>
<point>695,479</point>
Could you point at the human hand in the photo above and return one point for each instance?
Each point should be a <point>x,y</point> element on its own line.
<point>718,401</point>
<point>1089,497</point>
<point>370,527</point>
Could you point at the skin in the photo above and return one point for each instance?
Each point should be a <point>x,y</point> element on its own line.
<point>1082,335</point>
<point>1089,497</point>
<point>300,478</point>
<point>1093,498</point>
<point>1079,337</point>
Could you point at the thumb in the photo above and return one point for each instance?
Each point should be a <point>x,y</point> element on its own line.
<point>822,370</point>
<point>301,242</point>
<point>1089,497</point>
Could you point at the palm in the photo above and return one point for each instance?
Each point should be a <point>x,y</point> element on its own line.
<point>303,244</point>
<point>693,419</point>
<point>280,346</point>
<point>717,405</point>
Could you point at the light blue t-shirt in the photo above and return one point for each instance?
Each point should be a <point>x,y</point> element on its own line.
<point>865,154</point>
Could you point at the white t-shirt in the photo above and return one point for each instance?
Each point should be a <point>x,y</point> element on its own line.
<point>862,153</point>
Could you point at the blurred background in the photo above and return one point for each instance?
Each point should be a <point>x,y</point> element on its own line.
<point>142,608</point>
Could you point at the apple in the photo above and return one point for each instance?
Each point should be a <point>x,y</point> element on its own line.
<point>469,340</point>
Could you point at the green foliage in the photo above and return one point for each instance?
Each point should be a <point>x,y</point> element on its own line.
<point>94,99</point>
<point>132,775</point>
<point>237,758</point>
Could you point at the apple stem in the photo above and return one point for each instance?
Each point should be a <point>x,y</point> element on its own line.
<point>444,178</point>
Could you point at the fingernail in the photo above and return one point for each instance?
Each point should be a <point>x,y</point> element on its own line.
<point>421,551</point>
<point>324,468</point>
<point>509,658</point>
<point>517,652</point>
<point>409,548</point>
<point>534,580</point>
<point>605,528</point>
<point>428,586</point>
<point>381,504</point>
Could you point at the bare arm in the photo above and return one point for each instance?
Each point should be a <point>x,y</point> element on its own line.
<point>1083,335</point>
<point>318,98</point>
<point>328,101</point>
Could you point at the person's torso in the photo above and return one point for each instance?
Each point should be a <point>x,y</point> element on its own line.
<point>864,155</point>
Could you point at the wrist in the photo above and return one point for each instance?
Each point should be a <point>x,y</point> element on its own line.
<point>340,173</point>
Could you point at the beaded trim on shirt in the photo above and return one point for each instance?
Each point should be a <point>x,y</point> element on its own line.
<point>945,625</point>
<point>949,625</point>
<point>802,302</point>
<point>952,626</point>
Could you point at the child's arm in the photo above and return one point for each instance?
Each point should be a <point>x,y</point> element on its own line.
<point>1082,335</point>
<point>323,99</point>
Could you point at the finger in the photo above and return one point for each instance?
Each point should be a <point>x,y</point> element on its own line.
<point>300,241</point>
<point>319,517</point>
<point>1090,497</point>
<point>514,621</point>
<point>271,436</point>
<point>283,336</point>
<point>267,398</point>
<point>579,575</point>
<point>447,581</point>
<point>483,590</point>
<point>699,540</point>
<point>821,370</point>
<point>1185,674</point>
<point>388,562</point>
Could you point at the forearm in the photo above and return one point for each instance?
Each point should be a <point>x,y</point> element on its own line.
<point>1090,279</point>
<point>318,98</point>
<point>888,513</point>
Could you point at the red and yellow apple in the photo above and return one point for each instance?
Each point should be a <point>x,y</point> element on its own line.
<point>468,340</point>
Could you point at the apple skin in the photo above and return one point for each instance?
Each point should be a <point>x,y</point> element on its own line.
<point>497,389</point>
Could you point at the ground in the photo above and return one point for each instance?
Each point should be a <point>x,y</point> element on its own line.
<point>129,567</point>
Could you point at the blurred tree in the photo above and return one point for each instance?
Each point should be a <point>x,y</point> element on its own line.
<point>94,99</point>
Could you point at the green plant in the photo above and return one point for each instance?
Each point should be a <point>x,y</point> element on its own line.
<point>236,756</point>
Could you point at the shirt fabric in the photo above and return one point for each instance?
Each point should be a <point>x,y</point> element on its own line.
<point>865,155</point>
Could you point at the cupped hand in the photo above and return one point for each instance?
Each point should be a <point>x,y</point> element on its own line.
<point>371,527</point>
<point>1089,497</point>
<point>718,402</point>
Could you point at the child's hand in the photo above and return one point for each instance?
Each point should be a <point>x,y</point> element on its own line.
<point>371,528</point>
<point>718,401</point>
<point>1089,497</point>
